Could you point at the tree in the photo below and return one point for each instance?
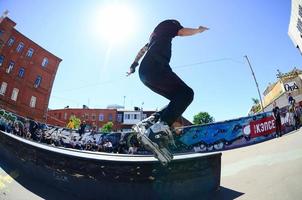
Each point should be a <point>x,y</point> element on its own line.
<point>203,118</point>
<point>76,121</point>
<point>255,101</point>
<point>107,127</point>
<point>256,105</point>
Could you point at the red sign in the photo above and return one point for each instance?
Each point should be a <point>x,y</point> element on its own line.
<point>262,127</point>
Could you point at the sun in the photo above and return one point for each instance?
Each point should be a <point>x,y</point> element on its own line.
<point>115,23</point>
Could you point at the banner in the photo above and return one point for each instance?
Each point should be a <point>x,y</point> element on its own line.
<point>232,133</point>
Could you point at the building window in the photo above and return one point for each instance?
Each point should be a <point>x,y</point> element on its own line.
<point>20,47</point>
<point>119,117</point>
<point>110,118</point>
<point>21,72</point>
<point>93,117</point>
<point>127,116</point>
<point>30,52</point>
<point>86,116</point>
<point>32,102</point>
<point>11,41</point>
<point>15,94</point>
<point>38,81</point>
<point>10,67</point>
<point>1,43</point>
<point>3,88</point>
<point>1,32</point>
<point>65,116</point>
<point>45,62</point>
<point>1,60</point>
<point>101,117</point>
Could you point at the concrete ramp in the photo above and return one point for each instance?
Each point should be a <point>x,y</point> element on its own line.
<point>95,175</point>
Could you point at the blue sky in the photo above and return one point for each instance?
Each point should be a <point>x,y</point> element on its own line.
<point>93,70</point>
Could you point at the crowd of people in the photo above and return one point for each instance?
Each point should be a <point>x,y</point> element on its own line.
<point>82,139</point>
<point>291,115</point>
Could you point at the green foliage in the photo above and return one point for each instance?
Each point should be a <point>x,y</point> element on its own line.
<point>107,127</point>
<point>256,106</point>
<point>202,118</point>
<point>76,121</point>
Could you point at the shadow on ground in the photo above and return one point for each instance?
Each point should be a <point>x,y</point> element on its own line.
<point>48,192</point>
<point>34,186</point>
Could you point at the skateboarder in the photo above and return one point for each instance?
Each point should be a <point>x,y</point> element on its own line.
<point>156,73</point>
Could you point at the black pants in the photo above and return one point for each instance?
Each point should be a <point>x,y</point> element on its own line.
<point>159,77</point>
<point>278,126</point>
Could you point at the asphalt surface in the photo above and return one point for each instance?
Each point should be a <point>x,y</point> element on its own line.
<point>269,170</point>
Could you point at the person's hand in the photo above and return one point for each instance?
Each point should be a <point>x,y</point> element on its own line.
<point>203,28</point>
<point>132,68</point>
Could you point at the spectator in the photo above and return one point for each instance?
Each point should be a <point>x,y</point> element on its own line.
<point>297,115</point>
<point>2,124</point>
<point>290,99</point>
<point>9,127</point>
<point>107,146</point>
<point>94,129</point>
<point>132,150</point>
<point>16,129</point>
<point>277,117</point>
<point>82,128</point>
<point>70,124</point>
<point>33,127</point>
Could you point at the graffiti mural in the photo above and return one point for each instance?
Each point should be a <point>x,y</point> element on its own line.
<point>230,134</point>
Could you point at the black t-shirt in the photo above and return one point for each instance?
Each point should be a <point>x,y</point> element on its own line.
<point>276,112</point>
<point>161,38</point>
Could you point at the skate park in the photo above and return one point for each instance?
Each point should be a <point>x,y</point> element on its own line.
<point>268,170</point>
<point>61,70</point>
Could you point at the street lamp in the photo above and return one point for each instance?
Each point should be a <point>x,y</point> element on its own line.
<point>255,81</point>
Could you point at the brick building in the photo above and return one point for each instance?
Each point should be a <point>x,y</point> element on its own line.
<point>27,73</point>
<point>121,119</point>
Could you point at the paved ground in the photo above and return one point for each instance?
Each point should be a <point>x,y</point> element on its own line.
<point>269,170</point>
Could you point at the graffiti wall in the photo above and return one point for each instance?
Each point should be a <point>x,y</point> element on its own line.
<point>232,133</point>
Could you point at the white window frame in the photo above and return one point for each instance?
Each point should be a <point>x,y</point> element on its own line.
<point>30,52</point>
<point>32,102</point>
<point>3,88</point>
<point>20,47</point>
<point>21,74</point>
<point>37,84</point>
<point>2,61</point>
<point>101,117</point>
<point>15,93</point>
<point>44,62</point>
<point>10,67</point>
<point>11,41</point>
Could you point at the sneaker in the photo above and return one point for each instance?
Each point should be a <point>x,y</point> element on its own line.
<point>148,122</point>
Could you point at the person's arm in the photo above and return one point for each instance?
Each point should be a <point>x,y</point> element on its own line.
<point>191,31</point>
<point>140,54</point>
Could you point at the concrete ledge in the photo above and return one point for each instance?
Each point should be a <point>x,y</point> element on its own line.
<point>93,175</point>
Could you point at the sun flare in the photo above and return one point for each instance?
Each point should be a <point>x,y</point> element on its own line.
<point>115,23</point>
